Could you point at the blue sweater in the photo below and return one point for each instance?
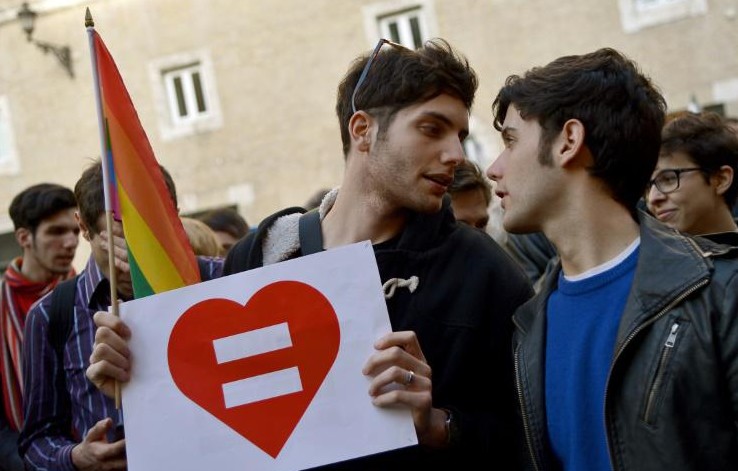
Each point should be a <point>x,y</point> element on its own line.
<point>582,324</point>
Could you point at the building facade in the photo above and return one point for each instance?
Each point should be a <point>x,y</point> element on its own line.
<point>237,96</point>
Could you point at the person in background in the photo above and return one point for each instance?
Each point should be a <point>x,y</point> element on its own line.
<point>450,289</point>
<point>471,194</point>
<point>694,185</point>
<point>228,225</point>
<point>627,359</point>
<point>48,234</point>
<point>202,238</point>
<point>75,426</point>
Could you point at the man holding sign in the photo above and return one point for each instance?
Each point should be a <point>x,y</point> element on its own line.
<point>450,289</point>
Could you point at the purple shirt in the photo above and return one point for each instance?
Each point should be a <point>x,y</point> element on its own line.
<point>56,420</point>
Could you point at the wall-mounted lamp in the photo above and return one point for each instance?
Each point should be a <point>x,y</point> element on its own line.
<point>27,18</point>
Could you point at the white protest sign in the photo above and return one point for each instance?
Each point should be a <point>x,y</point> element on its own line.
<point>261,370</point>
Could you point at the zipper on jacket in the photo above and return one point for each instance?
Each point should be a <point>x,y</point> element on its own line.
<point>630,337</point>
<point>523,411</point>
<point>660,368</point>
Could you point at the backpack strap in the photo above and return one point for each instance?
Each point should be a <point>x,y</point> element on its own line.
<point>247,254</point>
<point>61,314</point>
<point>311,235</point>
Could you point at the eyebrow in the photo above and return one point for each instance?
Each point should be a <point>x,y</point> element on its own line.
<point>446,120</point>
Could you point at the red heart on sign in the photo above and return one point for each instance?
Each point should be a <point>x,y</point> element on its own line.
<point>241,363</point>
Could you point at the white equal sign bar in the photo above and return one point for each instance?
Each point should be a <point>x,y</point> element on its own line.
<point>259,388</point>
<point>254,342</point>
<point>266,386</point>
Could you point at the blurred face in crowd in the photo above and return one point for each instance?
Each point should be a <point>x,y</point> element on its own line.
<point>49,251</point>
<point>688,199</point>
<point>470,207</point>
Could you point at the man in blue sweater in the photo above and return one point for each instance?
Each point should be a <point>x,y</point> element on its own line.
<point>628,356</point>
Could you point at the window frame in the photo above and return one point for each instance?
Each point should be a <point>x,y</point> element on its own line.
<point>378,15</point>
<point>635,16</point>
<point>163,73</point>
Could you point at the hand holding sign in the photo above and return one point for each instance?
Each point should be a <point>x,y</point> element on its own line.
<point>261,369</point>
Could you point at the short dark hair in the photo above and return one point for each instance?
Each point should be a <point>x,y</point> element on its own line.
<point>400,77</point>
<point>708,141</point>
<point>621,109</point>
<point>226,220</point>
<point>91,199</point>
<point>37,202</point>
<point>468,176</point>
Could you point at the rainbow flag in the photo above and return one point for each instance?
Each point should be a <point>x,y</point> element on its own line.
<point>159,253</point>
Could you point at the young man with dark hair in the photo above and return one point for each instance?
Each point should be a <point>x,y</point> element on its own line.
<point>71,424</point>
<point>45,229</point>
<point>471,194</point>
<point>450,289</point>
<point>628,357</point>
<point>694,185</point>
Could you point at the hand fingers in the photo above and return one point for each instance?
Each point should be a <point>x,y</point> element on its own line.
<point>407,340</point>
<point>120,248</point>
<point>111,326</point>
<point>398,378</point>
<point>114,454</point>
<point>98,431</point>
<point>395,357</point>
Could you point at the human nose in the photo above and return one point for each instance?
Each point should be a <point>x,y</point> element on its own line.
<point>495,169</point>
<point>71,240</point>
<point>654,196</point>
<point>454,153</point>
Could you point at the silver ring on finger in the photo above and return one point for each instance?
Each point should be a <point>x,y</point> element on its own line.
<point>409,378</point>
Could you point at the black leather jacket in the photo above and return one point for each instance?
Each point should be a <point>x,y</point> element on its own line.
<point>671,400</point>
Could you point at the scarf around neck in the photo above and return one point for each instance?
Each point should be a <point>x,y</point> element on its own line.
<point>17,295</point>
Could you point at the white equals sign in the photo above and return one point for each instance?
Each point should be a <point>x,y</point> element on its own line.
<point>266,386</point>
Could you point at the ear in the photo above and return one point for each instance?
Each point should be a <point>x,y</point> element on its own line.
<point>722,179</point>
<point>570,142</point>
<point>82,227</point>
<point>24,237</point>
<point>360,130</point>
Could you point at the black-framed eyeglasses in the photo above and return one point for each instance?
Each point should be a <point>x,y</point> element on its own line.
<point>667,180</point>
<point>368,66</point>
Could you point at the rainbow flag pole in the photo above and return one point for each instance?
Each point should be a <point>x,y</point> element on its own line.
<point>105,158</point>
<point>159,253</point>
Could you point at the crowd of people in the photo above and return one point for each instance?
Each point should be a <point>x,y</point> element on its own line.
<point>618,350</point>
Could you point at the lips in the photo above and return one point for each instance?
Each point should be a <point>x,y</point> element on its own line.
<point>665,214</point>
<point>441,182</point>
<point>441,179</point>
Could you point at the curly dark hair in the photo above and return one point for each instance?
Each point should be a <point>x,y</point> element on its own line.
<point>400,77</point>
<point>621,109</point>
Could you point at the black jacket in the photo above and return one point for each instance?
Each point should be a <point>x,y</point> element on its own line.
<point>667,407</point>
<point>461,312</point>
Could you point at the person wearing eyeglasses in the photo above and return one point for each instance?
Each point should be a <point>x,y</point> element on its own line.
<point>627,358</point>
<point>450,289</point>
<point>694,185</point>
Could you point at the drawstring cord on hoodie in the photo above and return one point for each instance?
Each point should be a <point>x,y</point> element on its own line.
<point>392,284</point>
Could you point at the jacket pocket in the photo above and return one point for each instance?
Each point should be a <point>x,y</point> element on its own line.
<point>654,392</point>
